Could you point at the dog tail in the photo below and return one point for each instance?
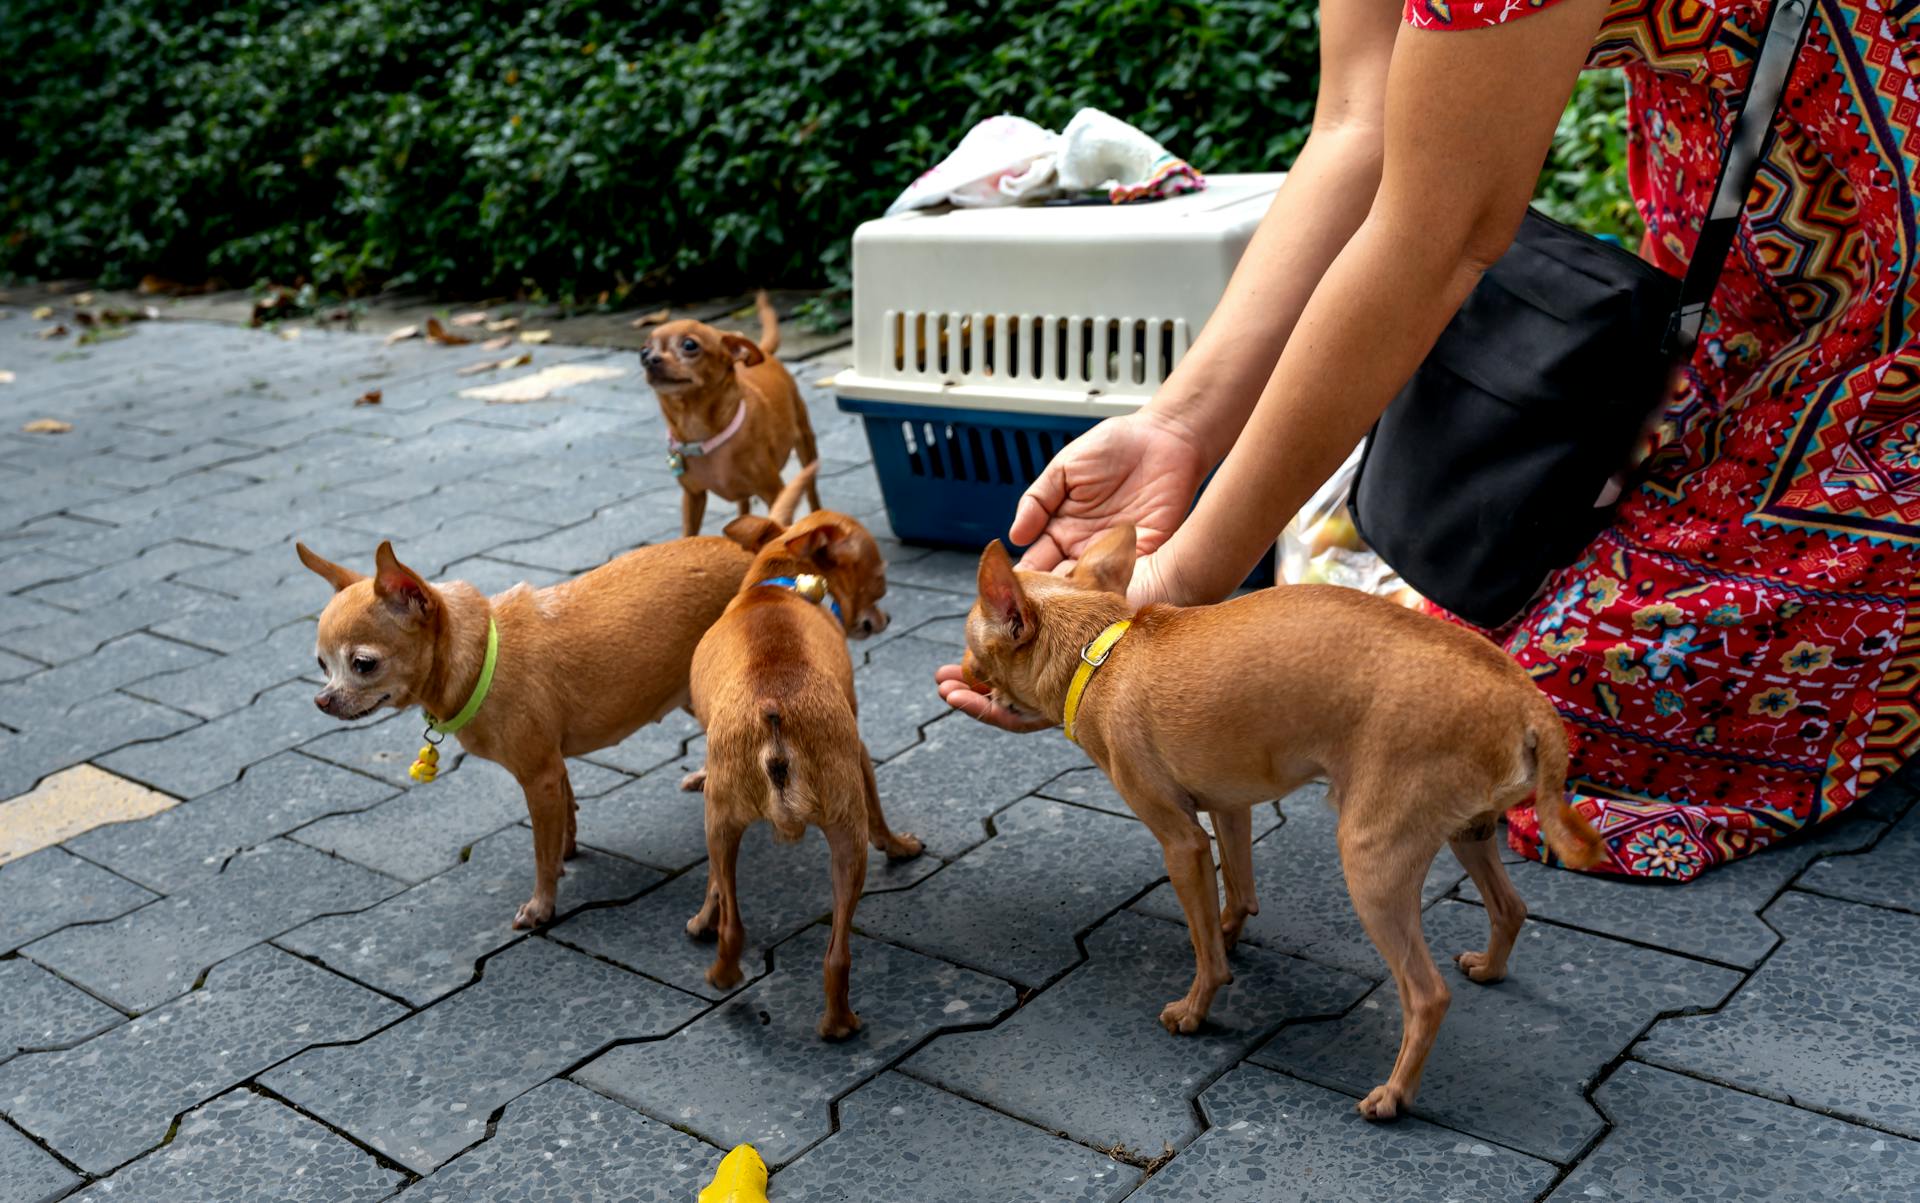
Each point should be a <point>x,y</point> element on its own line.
<point>787,812</point>
<point>769,325</point>
<point>1567,831</point>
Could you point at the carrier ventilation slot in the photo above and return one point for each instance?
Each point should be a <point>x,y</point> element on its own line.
<point>960,451</point>
<point>1101,354</point>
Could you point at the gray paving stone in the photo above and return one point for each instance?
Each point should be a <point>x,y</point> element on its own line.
<point>649,820</point>
<point>897,696</point>
<point>422,1090</point>
<point>561,1143</point>
<point>901,1139</point>
<point>91,728</point>
<point>226,683</point>
<point>783,888</point>
<point>13,667</point>
<point>54,635</point>
<point>190,842</point>
<point>1827,1022</point>
<point>44,699</point>
<point>620,526</point>
<point>651,746</point>
<point>423,943</point>
<point>1304,907</point>
<point>424,830</point>
<point>115,1096</point>
<point>943,788</point>
<point>1088,1056</point>
<point>1680,1140</point>
<point>156,953</point>
<point>944,570</point>
<point>912,610</point>
<point>25,569</point>
<point>1671,916</point>
<point>51,888</point>
<point>103,585</point>
<point>382,746</point>
<point>39,1011</point>
<point>754,1070</point>
<point>1889,875</point>
<point>28,1173</point>
<point>243,1147</point>
<point>1512,1058</point>
<point>1013,906</point>
<point>493,577</point>
<point>1275,1139</point>
<point>214,753</point>
<point>224,625</point>
<point>172,495</point>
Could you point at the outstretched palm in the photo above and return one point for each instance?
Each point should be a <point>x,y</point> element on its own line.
<point>1134,469</point>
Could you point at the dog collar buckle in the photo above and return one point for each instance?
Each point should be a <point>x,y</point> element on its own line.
<point>1092,657</point>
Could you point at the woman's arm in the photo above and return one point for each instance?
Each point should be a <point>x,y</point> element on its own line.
<point>1469,118</point>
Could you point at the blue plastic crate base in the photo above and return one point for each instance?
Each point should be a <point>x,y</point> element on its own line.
<point>951,477</point>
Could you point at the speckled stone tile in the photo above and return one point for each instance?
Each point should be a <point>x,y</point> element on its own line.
<point>1827,1022</point>
<point>190,842</point>
<point>562,1143</point>
<point>1669,916</point>
<point>783,888</point>
<point>1012,906</point>
<point>382,748</point>
<point>650,820</point>
<point>92,728</point>
<point>114,1097</point>
<point>945,787</point>
<point>1680,1140</point>
<point>28,1173</point>
<point>1087,787</point>
<point>244,1147</point>
<point>754,1070</point>
<point>651,746</point>
<point>1088,1056</point>
<point>227,683</point>
<point>212,754</point>
<point>44,698</point>
<point>422,1090</point>
<point>1889,875</point>
<point>947,570</point>
<point>39,1011</point>
<point>1275,1139</point>
<point>911,609</point>
<point>901,1139</point>
<point>896,693</point>
<point>1571,1002</point>
<point>140,960</point>
<point>1304,907</point>
<point>423,831</point>
<point>424,942</point>
<point>52,888</point>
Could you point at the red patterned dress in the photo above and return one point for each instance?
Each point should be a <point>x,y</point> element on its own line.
<point>1738,657</point>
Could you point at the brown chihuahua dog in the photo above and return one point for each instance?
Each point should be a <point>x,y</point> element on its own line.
<point>580,665</point>
<point>1426,732</point>
<point>773,686</point>
<point>733,413</point>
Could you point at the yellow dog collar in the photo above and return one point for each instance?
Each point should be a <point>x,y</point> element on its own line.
<point>1092,656</point>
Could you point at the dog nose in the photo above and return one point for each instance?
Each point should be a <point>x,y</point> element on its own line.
<point>874,621</point>
<point>324,701</point>
<point>647,356</point>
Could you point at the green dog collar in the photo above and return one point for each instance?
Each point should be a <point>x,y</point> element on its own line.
<point>479,689</point>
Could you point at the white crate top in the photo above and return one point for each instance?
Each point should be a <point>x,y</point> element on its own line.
<point>1073,309</point>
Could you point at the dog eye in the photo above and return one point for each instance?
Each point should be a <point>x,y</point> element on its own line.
<point>689,347</point>
<point>364,664</point>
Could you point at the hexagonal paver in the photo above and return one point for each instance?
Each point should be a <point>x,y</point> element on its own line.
<point>1889,875</point>
<point>1088,1056</point>
<point>114,1096</point>
<point>424,942</point>
<point>28,1173</point>
<point>559,1143</point>
<point>191,842</point>
<point>1681,1140</point>
<point>1304,907</point>
<point>1827,1022</point>
<point>245,1147</point>
<point>1275,1139</point>
<point>1670,916</point>
<point>44,698</point>
<point>650,820</point>
<point>753,1069</point>
<point>70,802</point>
<point>897,698</point>
<point>423,831</point>
<point>52,888</point>
<point>783,888</point>
<point>651,746</point>
<point>39,1011</point>
<point>140,960</point>
<point>229,682</point>
<point>926,789</point>
<point>1512,1058</point>
<point>422,1090</point>
<point>382,747</point>
<point>1012,906</point>
<point>902,1139</point>
<point>213,754</point>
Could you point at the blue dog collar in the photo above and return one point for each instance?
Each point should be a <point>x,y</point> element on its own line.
<point>813,588</point>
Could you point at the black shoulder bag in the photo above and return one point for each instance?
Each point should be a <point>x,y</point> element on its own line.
<point>1482,477</point>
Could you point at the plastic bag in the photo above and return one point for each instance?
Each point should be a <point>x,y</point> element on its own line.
<point>1321,547</point>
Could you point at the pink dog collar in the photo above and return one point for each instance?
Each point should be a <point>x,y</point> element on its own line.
<point>677,451</point>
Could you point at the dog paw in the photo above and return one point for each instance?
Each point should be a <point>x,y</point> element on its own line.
<point>838,1027</point>
<point>1181,1018</point>
<point>723,977</point>
<point>694,782</point>
<point>532,913</point>
<point>1478,966</point>
<point>1381,1104</point>
<point>903,847</point>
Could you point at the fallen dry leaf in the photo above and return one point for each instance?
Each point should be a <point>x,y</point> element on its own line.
<point>83,298</point>
<point>535,336</point>
<point>51,332</point>
<point>47,426</point>
<point>651,319</point>
<point>6,377</point>
<point>289,333</point>
<point>497,344</point>
<point>160,285</point>
<point>402,334</point>
<point>43,313</point>
<point>440,334</point>
<point>505,323</point>
<point>470,319</point>
<point>493,365</point>
<point>370,397</point>
<point>827,381</point>
<point>537,386</point>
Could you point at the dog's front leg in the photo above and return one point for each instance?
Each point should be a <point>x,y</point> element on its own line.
<point>849,878</point>
<point>693,508</point>
<point>1189,856</point>
<point>897,847</point>
<point>549,806</point>
<point>1233,828</point>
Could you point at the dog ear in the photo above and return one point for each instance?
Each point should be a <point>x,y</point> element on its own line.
<point>788,502</point>
<point>333,573</point>
<point>401,587</point>
<point>743,349</point>
<point>1107,565</point>
<point>820,542</point>
<point>752,532</point>
<point>1002,600</point>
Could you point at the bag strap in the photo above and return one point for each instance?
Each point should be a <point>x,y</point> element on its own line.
<point>1752,134</point>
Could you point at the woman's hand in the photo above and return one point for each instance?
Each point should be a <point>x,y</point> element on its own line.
<point>1142,468</point>
<point>955,692</point>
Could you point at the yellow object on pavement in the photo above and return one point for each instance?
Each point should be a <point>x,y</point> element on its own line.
<point>741,1178</point>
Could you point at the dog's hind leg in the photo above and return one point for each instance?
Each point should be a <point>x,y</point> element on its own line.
<point>693,509</point>
<point>722,909</point>
<point>549,802</point>
<point>849,878</point>
<point>1233,830</point>
<point>897,847</point>
<point>1478,855</point>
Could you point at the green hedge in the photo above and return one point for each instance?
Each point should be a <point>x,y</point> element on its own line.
<point>571,147</point>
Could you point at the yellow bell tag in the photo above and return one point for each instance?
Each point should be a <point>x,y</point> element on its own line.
<point>426,765</point>
<point>741,1178</point>
<point>809,586</point>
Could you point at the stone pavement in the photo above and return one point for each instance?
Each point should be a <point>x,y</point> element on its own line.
<point>288,974</point>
